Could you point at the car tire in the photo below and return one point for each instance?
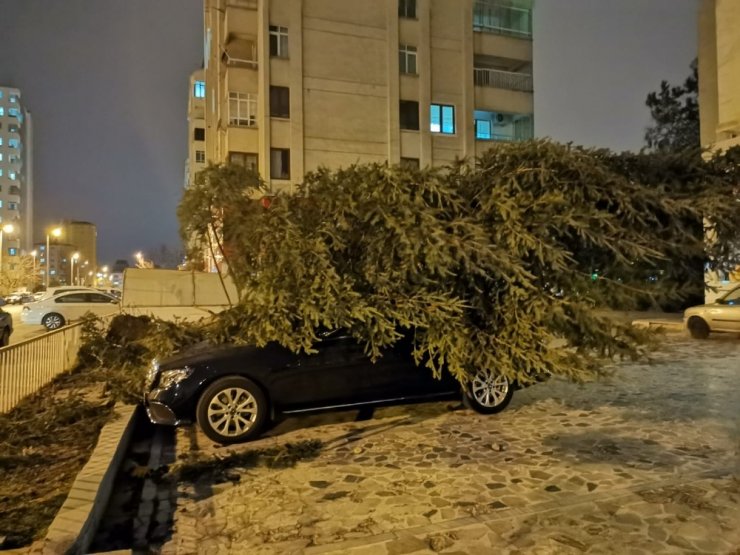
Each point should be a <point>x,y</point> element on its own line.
<point>5,338</point>
<point>53,321</point>
<point>488,392</point>
<point>698,328</point>
<point>232,410</point>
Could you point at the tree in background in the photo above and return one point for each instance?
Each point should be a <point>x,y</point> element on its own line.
<point>675,114</point>
<point>18,274</point>
<point>501,266</point>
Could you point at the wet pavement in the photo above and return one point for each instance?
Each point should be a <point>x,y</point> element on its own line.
<point>647,461</point>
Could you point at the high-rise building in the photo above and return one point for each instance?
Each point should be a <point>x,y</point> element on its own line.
<point>719,73</point>
<point>292,85</point>
<point>16,173</point>
<point>73,256</point>
<point>196,126</point>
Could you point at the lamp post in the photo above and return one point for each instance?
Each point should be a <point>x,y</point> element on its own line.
<point>34,253</point>
<point>7,228</point>
<point>74,259</point>
<point>56,232</point>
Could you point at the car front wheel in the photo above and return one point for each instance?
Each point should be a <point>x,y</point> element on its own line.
<point>232,410</point>
<point>488,392</point>
<point>698,328</point>
<point>53,321</point>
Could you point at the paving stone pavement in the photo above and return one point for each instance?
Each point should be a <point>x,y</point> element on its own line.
<point>647,461</point>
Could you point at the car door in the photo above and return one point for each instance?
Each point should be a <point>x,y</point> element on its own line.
<point>100,304</point>
<point>70,305</point>
<point>322,379</point>
<point>725,316</point>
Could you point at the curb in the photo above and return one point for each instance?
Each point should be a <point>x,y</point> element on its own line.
<point>75,524</point>
<point>665,324</point>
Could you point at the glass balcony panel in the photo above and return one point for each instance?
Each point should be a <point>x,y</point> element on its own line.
<point>501,126</point>
<point>490,16</point>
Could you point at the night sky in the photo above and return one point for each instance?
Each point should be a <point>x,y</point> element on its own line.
<point>107,84</point>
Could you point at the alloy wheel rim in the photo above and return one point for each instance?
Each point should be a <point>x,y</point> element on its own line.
<point>489,389</point>
<point>232,411</point>
<point>54,322</point>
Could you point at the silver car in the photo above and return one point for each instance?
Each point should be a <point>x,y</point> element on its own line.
<point>721,315</point>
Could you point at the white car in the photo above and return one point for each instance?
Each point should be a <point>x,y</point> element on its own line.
<point>721,315</point>
<point>54,312</point>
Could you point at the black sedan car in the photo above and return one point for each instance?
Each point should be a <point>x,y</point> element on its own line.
<point>233,392</point>
<point>6,326</point>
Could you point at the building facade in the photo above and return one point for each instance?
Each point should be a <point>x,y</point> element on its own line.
<point>719,73</point>
<point>16,173</point>
<point>72,255</point>
<point>196,126</point>
<point>292,85</point>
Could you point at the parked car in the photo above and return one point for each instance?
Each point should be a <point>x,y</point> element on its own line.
<point>18,297</point>
<point>54,291</point>
<point>723,315</point>
<point>54,312</point>
<point>233,392</point>
<point>6,325</point>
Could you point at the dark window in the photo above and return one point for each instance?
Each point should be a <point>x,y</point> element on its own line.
<point>199,134</point>
<point>407,8</point>
<point>72,298</point>
<point>410,163</point>
<point>280,102</point>
<point>409,115</point>
<point>279,163</point>
<point>98,298</point>
<point>247,159</point>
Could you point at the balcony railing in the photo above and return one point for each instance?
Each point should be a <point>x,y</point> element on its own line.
<point>491,17</point>
<point>502,79</point>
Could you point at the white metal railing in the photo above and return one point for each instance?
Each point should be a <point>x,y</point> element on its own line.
<point>502,79</point>
<point>29,365</point>
<point>492,17</point>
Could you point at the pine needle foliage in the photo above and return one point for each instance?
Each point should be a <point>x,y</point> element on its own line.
<point>506,265</point>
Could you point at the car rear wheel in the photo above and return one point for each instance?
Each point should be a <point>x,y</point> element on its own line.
<point>232,410</point>
<point>53,321</point>
<point>698,328</point>
<point>488,392</point>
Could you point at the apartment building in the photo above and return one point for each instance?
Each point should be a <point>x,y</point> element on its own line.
<point>73,255</point>
<point>292,85</point>
<point>196,126</point>
<point>16,180</point>
<point>719,73</point>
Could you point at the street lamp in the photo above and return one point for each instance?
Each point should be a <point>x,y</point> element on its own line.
<point>56,232</point>
<point>74,259</point>
<point>7,228</point>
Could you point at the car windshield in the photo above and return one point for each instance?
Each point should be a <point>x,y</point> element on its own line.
<point>733,297</point>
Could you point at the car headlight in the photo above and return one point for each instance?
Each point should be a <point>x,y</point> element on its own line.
<point>170,378</point>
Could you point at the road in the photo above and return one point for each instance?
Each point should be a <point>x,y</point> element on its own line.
<point>21,332</point>
<point>647,461</point>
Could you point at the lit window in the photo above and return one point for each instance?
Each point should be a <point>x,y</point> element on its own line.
<point>12,176</point>
<point>1,139</point>
<point>199,89</point>
<point>442,119</point>
<point>1,172</point>
<point>14,143</point>
<point>2,111</point>
<point>13,128</point>
<point>13,112</point>
<point>482,129</point>
<point>278,41</point>
<point>242,109</point>
<point>1,158</point>
<point>279,163</point>
<point>407,59</point>
<point>200,157</point>
<point>12,251</point>
<point>407,8</point>
<point>279,102</point>
<point>13,98</point>
<point>1,203</point>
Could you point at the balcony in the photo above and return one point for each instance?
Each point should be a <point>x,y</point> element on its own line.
<point>501,126</point>
<point>491,16</point>
<point>240,52</point>
<point>511,80</point>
